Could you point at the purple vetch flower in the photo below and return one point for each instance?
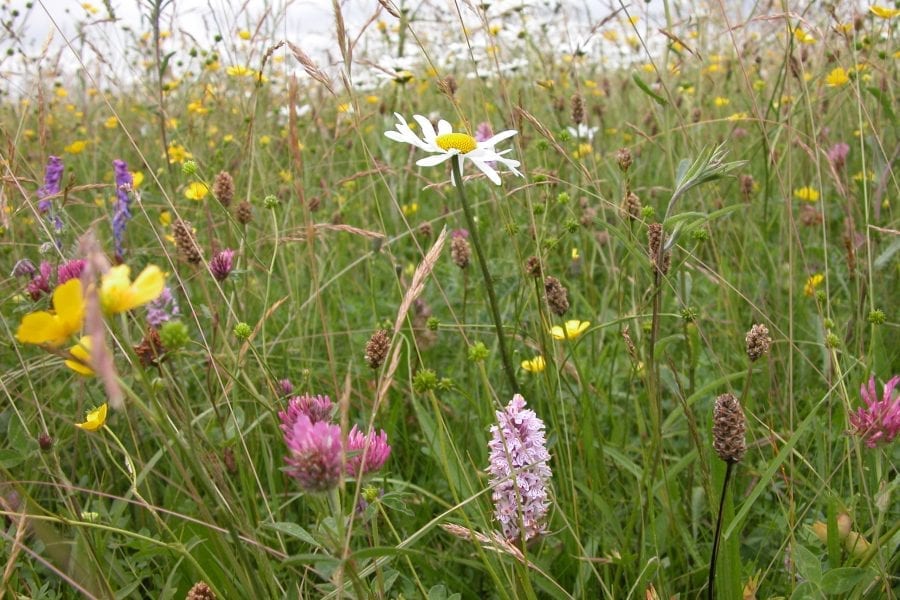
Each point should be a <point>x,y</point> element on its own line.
<point>40,281</point>
<point>164,308</point>
<point>23,268</point>
<point>519,471</point>
<point>315,451</point>
<point>69,270</point>
<point>837,155</point>
<point>221,264</point>
<point>52,177</point>
<point>315,408</point>
<point>879,422</point>
<point>122,214</point>
<point>374,446</point>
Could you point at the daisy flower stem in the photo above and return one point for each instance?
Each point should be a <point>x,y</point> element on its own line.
<point>488,283</point>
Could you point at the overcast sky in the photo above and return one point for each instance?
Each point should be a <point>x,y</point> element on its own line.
<point>309,19</point>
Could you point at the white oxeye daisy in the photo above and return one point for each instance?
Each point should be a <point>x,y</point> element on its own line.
<point>582,132</point>
<point>445,144</point>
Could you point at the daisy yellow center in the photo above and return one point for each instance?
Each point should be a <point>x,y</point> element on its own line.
<point>458,141</point>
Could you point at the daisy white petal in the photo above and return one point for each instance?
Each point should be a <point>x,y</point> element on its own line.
<point>435,159</point>
<point>428,133</point>
<point>499,137</point>
<point>487,170</point>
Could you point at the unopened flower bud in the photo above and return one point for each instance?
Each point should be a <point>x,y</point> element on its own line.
<point>242,331</point>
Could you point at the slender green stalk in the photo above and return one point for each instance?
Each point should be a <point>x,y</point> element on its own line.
<point>710,594</point>
<point>488,283</point>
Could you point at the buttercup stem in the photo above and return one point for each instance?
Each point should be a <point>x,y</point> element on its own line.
<point>492,297</point>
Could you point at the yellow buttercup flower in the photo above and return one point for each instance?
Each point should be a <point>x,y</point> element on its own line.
<point>196,191</point>
<point>571,330</point>
<point>807,193</point>
<point>196,107</point>
<point>535,365</point>
<point>178,153</point>
<point>721,101</point>
<point>54,328</point>
<point>118,294</point>
<point>837,77</point>
<point>136,179</point>
<point>803,37</point>
<point>76,147</point>
<point>81,357</point>
<point>239,71</point>
<point>244,34</point>
<point>95,419</point>
<point>884,13</point>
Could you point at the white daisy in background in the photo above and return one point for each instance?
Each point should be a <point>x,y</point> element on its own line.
<point>445,144</point>
<point>582,132</point>
<point>399,69</point>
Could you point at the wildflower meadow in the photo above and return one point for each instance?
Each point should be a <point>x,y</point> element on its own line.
<point>449,299</point>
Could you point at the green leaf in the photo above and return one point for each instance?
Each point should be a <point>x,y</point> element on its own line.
<point>439,592</point>
<point>323,561</point>
<point>808,564</point>
<point>681,172</point>
<point>232,425</point>
<point>10,458</point>
<point>295,531</point>
<point>646,89</point>
<point>17,436</point>
<point>126,592</point>
<point>845,579</point>
<point>806,591</point>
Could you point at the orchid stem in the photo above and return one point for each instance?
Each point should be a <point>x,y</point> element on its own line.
<point>488,282</point>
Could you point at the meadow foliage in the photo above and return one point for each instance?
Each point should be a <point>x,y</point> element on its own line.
<point>507,299</point>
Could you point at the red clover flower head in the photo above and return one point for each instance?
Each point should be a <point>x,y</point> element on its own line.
<point>69,270</point>
<point>315,451</point>
<point>879,422</point>
<point>221,264</point>
<point>315,408</point>
<point>286,387</point>
<point>519,471</point>
<point>40,283</point>
<point>483,131</point>
<point>837,155</point>
<point>374,446</point>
